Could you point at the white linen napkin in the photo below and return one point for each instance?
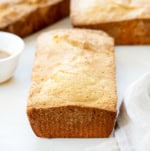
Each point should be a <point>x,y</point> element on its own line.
<point>133,130</point>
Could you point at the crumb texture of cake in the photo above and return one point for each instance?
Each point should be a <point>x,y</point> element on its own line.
<point>74,72</point>
<point>128,21</point>
<point>24,17</point>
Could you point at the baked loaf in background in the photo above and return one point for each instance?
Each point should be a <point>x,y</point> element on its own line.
<point>73,90</point>
<point>128,21</point>
<point>24,17</point>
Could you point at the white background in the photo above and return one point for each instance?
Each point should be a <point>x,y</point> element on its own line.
<point>15,131</point>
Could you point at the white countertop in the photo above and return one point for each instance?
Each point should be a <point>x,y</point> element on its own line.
<point>15,131</point>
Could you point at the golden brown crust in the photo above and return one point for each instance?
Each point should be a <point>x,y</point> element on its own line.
<point>24,17</point>
<point>127,21</point>
<point>130,32</point>
<point>71,121</point>
<point>73,77</point>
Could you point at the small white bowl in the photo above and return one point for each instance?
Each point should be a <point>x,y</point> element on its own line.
<point>13,45</point>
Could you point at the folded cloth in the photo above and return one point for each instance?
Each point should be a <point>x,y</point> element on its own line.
<point>134,118</point>
<point>133,123</point>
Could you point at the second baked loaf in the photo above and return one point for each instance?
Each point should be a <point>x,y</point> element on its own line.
<point>73,90</point>
<point>128,21</point>
<point>24,17</point>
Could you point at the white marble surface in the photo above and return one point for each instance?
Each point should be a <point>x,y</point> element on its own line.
<point>15,131</point>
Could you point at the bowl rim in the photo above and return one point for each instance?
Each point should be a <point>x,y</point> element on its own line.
<point>17,53</point>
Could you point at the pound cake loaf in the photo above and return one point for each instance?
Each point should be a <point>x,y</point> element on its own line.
<point>73,90</point>
<point>24,17</point>
<point>128,21</point>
